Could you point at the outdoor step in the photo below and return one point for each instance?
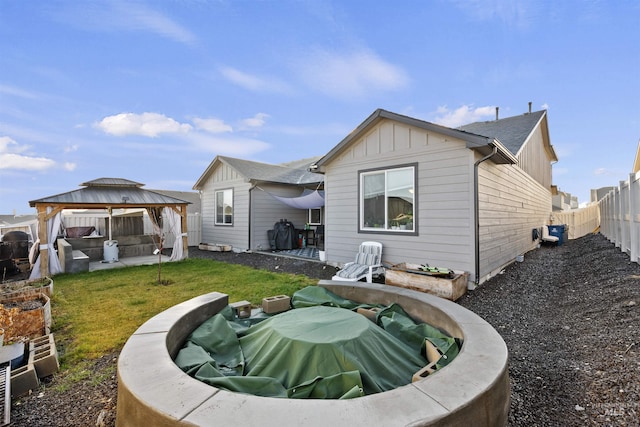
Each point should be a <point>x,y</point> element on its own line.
<point>80,262</point>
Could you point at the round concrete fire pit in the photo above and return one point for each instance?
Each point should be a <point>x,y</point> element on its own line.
<point>471,390</point>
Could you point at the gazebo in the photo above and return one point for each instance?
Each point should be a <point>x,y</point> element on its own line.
<point>104,194</point>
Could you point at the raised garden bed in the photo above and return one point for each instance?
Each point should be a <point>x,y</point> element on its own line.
<point>27,287</point>
<point>410,276</point>
<point>214,247</point>
<point>25,316</point>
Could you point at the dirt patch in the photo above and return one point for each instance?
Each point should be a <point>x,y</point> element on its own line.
<point>570,316</point>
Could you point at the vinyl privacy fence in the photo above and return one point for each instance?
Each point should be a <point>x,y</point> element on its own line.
<point>580,222</point>
<point>99,221</point>
<point>620,216</point>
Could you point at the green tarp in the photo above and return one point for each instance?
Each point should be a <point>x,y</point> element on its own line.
<point>322,349</point>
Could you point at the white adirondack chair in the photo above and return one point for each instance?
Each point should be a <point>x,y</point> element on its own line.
<point>367,264</point>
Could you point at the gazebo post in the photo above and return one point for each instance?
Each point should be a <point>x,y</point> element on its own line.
<point>44,240</point>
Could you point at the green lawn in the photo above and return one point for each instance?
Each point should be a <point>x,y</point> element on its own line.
<point>95,313</point>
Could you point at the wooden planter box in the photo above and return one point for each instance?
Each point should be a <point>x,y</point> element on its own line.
<point>214,247</point>
<point>409,276</point>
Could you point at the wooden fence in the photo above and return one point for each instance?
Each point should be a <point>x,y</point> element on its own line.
<point>620,216</point>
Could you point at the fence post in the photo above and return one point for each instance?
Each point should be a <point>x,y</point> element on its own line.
<point>634,217</point>
<point>617,217</point>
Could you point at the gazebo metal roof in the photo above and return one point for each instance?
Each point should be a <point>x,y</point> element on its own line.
<point>109,192</point>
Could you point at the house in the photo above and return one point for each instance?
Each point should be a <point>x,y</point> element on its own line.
<point>241,200</point>
<point>466,199</point>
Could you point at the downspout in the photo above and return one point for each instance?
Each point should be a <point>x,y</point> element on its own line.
<point>477,210</point>
<point>250,220</point>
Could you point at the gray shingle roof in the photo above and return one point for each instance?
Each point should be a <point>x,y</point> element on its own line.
<point>512,132</point>
<point>294,173</point>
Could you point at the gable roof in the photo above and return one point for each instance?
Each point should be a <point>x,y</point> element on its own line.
<point>292,173</point>
<point>110,192</point>
<point>513,132</point>
<point>483,144</point>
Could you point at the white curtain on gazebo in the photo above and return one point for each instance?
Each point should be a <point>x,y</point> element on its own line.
<point>174,222</point>
<point>53,226</point>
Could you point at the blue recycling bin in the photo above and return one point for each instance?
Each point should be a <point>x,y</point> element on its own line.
<point>558,231</point>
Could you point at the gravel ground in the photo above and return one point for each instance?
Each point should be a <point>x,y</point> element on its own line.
<point>570,316</point>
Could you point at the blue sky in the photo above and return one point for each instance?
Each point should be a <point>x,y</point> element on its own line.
<point>152,91</point>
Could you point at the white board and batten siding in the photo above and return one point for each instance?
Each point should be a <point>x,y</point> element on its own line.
<point>444,206</point>
<point>534,159</point>
<point>237,234</point>
<point>267,210</point>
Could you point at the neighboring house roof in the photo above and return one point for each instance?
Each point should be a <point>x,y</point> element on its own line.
<point>636,163</point>
<point>109,191</point>
<point>293,173</point>
<point>193,197</point>
<point>512,132</point>
<point>16,219</point>
<point>480,143</point>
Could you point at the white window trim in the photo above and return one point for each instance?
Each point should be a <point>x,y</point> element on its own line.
<point>310,222</point>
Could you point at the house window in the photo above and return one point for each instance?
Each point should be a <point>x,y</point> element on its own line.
<point>387,200</point>
<point>224,207</point>
<point>315,216</point>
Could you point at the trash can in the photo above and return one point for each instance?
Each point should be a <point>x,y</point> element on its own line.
<point>110,248</point>
<point>559,232</point>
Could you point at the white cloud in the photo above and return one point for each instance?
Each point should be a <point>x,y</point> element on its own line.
<point>5,142</point>
<point>351,75</point>
<point>252,82</point>
<point>17,92</point>
<point>199,136</point>
<point>70,166</point>
<point>140,17</point>
<point>118,16</point>
<point>71,148</point>
<point>10,157</point>
<point>145,124</point>
<point>513,13</point>
<point>603,171</point>
<point>19,162</point>
<point>212,125</point>
<point>254,122</point>
<point>462,115</point>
